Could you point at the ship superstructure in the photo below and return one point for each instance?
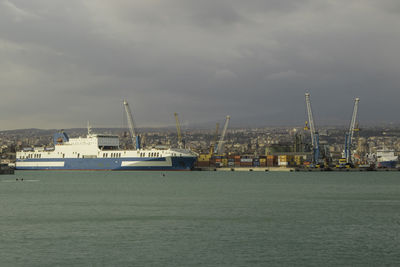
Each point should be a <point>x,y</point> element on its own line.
<point>101,152</point>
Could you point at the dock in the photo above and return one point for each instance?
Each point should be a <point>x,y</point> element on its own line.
<point>293,169</point>
<point>247,169</point>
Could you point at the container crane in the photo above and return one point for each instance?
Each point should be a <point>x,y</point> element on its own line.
<point>350,133</point>
<point>178,129</point>
<point>214,141</point>
<point>313,132</point>
<point>131,124</point>
<point>219,148</point>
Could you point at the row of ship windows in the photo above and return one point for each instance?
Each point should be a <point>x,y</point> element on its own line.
<point>31,156</point>
<point>112,155</point>
<point>35,156</point>
<point>105,155</point>
<point>150,154</point>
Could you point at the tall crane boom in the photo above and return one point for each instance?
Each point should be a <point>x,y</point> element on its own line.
<point>310,119</point>
<point>214,141</point>
<point>313,132</point>
<point>349,135</point>
<point>178,129</point>
<point>131,124</point>
<point>221,140</point>
<point>353,119</point>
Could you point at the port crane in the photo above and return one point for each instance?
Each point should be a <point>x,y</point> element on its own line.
<point>213,145</point>
<point>314,134</point>
<point>131,124</point>
<point>178,129</point>
<point>349,135</point>
<point>219,148</point>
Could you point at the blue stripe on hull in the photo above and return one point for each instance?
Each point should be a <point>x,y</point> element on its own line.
<point>387,164</point>
<point>178,163</point>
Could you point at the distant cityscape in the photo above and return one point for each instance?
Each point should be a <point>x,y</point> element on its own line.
<point>293,143</point>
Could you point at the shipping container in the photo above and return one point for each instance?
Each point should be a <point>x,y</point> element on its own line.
<point>271,163</point>
<point>224,162</point>
<point>285,158</point>
<point>203,164</point>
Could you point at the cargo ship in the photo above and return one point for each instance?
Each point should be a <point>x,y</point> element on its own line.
<point>101,152</point>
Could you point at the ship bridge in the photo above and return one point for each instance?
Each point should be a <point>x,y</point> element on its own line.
<point>100,141</point>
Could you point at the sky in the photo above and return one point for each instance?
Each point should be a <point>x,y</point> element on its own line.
<point>64,63</point>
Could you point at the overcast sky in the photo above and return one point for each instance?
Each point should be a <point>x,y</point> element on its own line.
<point>63,63</point>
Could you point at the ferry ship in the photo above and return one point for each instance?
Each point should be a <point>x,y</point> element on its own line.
<point>101,152</point>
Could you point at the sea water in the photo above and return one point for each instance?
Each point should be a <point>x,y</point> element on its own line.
<point>199,219</point>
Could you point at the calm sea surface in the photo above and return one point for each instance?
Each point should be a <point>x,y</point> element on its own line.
<point>200,219</point>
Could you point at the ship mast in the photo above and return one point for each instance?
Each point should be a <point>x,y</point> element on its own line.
<point>89,128</point>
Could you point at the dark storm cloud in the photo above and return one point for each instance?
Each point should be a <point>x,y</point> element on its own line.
<point>65,62</point>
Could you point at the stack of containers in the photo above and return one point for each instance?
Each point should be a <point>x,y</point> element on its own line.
<point>218,161</point>
<point>231,161</point>
<point>237,161</point>
<point>263,161</point>
<point>256,162</point>
<point>306,163</point>
<point>224,162</point>
<point>298,160</point>
<point>212,162</point>
<point>246,161</point>
<point>272,161</point>
<point>203,160</point>
<point>285,160</point>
